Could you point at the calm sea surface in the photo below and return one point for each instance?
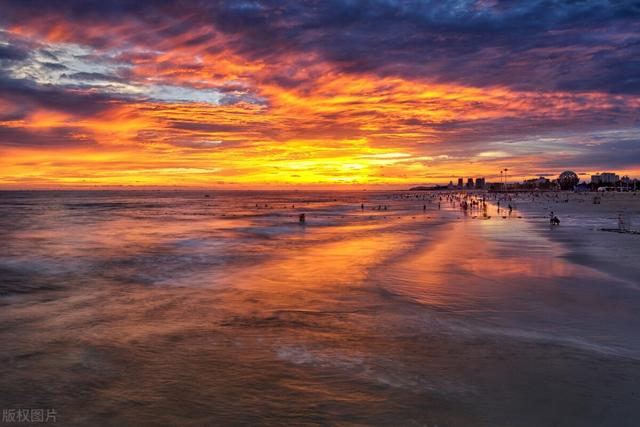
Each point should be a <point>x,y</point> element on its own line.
<point>220,308</point>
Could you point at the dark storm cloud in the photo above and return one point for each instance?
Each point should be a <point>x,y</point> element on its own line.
<point>93,76</point>
<point>75,10</point>
<point>56,137</point>
<point>535,45</point>
<point>613,154</point>
<point>33,96</point>
<point>53,66</point>
<point>16,114</point>
<point>12,53</point>
<point>198,40</point>
<point>525,45</point>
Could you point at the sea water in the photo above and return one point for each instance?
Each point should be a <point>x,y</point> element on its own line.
<point>385,308</point>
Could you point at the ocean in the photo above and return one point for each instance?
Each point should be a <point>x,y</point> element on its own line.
<point>382,308</point>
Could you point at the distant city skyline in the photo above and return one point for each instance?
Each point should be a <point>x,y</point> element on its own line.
<point>602,179</point>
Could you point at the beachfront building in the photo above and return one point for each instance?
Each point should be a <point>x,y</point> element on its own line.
<point>470,183</point>
<point>480,183</point>
<point>609,178</point>
<point>460,183</point>
<point>605,178</point>
<point>537,183</point>
<point>630,184</point>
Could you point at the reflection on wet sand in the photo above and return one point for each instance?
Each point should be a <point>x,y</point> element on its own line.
<point>174,314</point>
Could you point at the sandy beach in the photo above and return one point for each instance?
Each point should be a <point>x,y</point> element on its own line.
<point>582,224</point>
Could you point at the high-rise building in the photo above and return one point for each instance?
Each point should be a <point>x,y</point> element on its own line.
<point>609,178</point>
<point>480,183</point>
<point>605,178</point>
<point>470,183</point>
<point>460,183</point>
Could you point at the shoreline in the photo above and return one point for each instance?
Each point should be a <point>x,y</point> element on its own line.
<point>581,229</point>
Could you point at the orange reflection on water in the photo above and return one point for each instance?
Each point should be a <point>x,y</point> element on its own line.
<point>473,259</point>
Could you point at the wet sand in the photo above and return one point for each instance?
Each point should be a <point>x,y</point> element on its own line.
<point>148,310</point>
<point>582,224</point>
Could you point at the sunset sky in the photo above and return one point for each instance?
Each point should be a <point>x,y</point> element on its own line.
<point>314,93</point>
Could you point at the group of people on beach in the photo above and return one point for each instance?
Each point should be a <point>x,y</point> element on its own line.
<point>470,203</point>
